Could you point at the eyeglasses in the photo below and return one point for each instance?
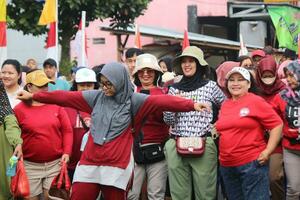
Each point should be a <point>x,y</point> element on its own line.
<point>148,71</point>
<point>107,84</point>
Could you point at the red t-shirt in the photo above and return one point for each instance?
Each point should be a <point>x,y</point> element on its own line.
<point>154,128</point>
<point>290,116</point>
<point>241,126</point>
<point>270,100</point>
<point>46,132</point>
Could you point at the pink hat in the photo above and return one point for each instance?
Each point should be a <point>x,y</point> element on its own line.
<point>258,52</point>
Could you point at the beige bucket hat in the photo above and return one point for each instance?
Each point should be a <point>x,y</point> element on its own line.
<point>191,51</point>
<point>146,61</point>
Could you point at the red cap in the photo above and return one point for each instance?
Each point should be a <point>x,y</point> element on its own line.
<point>258,52</point>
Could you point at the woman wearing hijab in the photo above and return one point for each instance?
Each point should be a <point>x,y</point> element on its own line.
<point>10,141</point>
<point>222,70</point>
<point>107,161</point>
<point>288,102</point>
<point>270,85</point>
<point>198,174</point>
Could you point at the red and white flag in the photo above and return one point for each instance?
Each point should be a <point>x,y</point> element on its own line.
<point>80,44</point>
<point>185,42</point>
<point>3,47</point>
<point>137,40</point>
<point>51,42</point>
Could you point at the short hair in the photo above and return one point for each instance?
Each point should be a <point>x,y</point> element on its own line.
<point>51,62</point>
<point>268,50</point>
<point>133,51</point>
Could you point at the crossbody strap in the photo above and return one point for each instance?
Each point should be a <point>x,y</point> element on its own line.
<point>82,121</point>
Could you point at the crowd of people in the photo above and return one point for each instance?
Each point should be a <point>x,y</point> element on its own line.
<point>173,126</point>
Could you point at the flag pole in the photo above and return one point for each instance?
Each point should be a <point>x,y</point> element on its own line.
<point>56,33</point>
<point>83,16</point>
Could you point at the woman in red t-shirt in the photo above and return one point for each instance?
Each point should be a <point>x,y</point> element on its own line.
<point>243,118</point>
<point>47,136</point>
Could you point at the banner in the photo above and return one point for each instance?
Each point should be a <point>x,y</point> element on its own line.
<point>286,20</point>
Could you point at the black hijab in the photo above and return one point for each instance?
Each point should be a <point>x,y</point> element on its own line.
<point>5,108</point>
<point>192,83</point>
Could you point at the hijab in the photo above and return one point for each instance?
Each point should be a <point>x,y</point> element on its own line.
<point>191,83</point>
<point>5,108</point>
<point>112,114</point>
<point>268,63</point>
<point>222,70</point>
<point>292,97</point>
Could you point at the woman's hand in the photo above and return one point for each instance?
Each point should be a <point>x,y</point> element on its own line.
<point>263,157</point>
<point>65,158</point>
<point>24,96</point>
<point>18,151</point>
<point>202,107</point>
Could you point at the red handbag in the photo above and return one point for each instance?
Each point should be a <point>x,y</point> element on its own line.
<point>190,146</point>
<point>19,185</point>
<point>61,185</point>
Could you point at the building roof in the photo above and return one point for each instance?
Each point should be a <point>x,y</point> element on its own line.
<point>194,38</point>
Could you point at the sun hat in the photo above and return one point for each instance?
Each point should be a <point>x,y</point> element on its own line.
<point>38,78</point>
<point>85,75</point>
<point>146,61</point>
<point>191,51</point>
<point>240,70</point>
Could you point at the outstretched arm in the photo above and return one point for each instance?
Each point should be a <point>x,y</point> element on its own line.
<point>171,103</point>
<point>62,98</point>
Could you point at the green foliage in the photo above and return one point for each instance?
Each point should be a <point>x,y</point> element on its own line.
<point>23,15</point>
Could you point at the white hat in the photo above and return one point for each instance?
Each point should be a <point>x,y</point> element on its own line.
<point>146,61</point>
<point>240,70</point>
<point>85,75</point>
<point>167,76</point>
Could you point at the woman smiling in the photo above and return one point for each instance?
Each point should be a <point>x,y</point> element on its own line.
<point>242,121</point>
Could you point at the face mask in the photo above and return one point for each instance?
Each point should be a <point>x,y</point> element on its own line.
<point>268,81</point>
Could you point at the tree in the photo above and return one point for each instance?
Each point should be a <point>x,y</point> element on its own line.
<point>24,16</point>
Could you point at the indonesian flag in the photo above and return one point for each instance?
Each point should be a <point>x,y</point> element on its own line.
<point>82,60</point>
<point>3,48</point>
<point>51,45</point>
<point>137,41</point>
<point>243,49</point>
<point>185,42</point>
